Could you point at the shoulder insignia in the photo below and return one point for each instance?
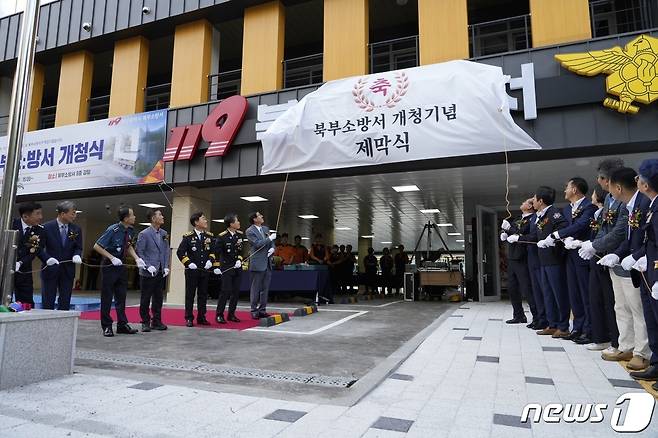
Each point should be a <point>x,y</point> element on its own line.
<point>557,215</point>
<point>188,234</point>
<point>239,232</point>
<point>209,234</point>
<point>115,229</point>
<point>223,233</point>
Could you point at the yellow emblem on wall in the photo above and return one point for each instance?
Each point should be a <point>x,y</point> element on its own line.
<point>632,71</point>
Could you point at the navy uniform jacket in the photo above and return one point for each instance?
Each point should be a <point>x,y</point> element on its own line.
<point>54,247</point>
<point>116,240</point>
<point>196,249</point>
<point>228,248</point>
<point>614,227</point>
<point>552,220</point>
<point>533,255</point>
<point>519,251</point>
<point>153,247</point>
<point>30,245</point>
<point>634,237</point>
<point>260,245</point>
<point>650,245</point>
<point>578,227</point>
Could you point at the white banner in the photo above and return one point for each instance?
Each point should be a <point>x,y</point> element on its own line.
<point>104,153</point>
<point>434,111</point>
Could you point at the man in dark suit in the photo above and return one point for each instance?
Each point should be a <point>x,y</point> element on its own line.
<point>63,242</point>
<point>261,244</point>
<point>153,247</point>
<point>633,341</point>
<point>551,259</point>
<point>228,249</point>
<point>611,233</point>
<point>31,240</point>
<point>578,213</point>
<point>518,275</point>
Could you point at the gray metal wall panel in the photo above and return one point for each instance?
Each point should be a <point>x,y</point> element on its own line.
<point>197,168</point>
<point>75,22</point>
<point>12,36</point>
<point>206,3</point>
<point>149,18</point>
<point>545,65</point>
<point>249,160</point>
<point>98,19</point>
<point>644,127</point>
<point>247,132</point>
<point>200,113</point>
<point>64,22</point>
<point>123,14</point>
<point>610,127</point>
<point>42,29</point>
<point>136,16</point>
<point>4,32</point>
<point>549,131</point>
<point>578,126</point>
<point>181,172</point>
<point>111,9</point>
<point>53,25</point>
<point>214,169</point>
<point>231,164</point>
<point>162,9</point>
<point>191,5</point>
<point>176,7</point>
<point>88,17</point>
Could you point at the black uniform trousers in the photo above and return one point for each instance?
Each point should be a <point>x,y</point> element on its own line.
<point>230,291</point>
<point>152,296</point>
<point>602,305</point>
<point>519,286</point>
<point>650,309</point>
<point>23,287</point>
<point>114,285</point>
<point>196,283</point>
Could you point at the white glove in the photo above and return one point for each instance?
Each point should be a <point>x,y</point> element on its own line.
<point>238,264</point>
<point>641,265</point>
<point>556,234</point>
<point>153,270</point>
<point>270,252</point>
<point>116,262</point>
<point>505,225</point>
<point>166,272</point>
<point>575,244</point>
<point>217,271</point>
<point>208,265</point>
<point>654,291</point>
<point>77,259</point>
<point>609,260</point>
<point>513,238</point>
<point>568,242</point>
<point>272,237</point>
<point>503,237</point>
<point>628,263</point>
<point>542,244</point>
<point>191,266</point>
<point>586,250</point>
<point>549,241</point>
<point>18,266</point>
<point>140,263</point>
<point>52,261</point>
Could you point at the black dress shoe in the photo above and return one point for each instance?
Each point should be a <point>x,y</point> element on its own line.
<point>573,335</point>
<point>125,329</point>
<point>516,321</point>
<point>531,325</point>
<point>220,319</point>
<point>202,322</point>
<point>146,327</point>
<point>189,323</point>
<point>158,326</point>
<point>107,332</point>
<point>650,373</point>
<point>233,318</point>
<point>255,316</point>
<point>582,340</point>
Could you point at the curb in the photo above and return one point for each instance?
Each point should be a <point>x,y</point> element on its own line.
<point>306,310</point>
<point>279,318</point>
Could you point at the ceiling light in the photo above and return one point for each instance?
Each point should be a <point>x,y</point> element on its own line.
<point>459,240</point>
<point>444,225</point>
<point>146,224</point>
<point>78,211</point>
<point>513,186</point>
<point>151,205</point>
<point>305,238</point>
<point>412,188</point>
<point>308,216</point>
<point>253,198</point>
<point>430,211</point>
<point>386,243</point>
<point>514,168</point>
<point>342,228</point>
<point>368,237</point>
<point>218,220</point>
<point>454,234</point>
<point>582,163</point>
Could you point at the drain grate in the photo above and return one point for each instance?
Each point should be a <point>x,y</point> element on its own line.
<point>208,368</point>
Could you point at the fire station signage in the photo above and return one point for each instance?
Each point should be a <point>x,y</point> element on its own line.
<point>435,111</point>
<point>104,153</point>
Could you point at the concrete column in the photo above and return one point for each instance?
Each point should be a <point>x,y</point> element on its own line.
<point>36,96</point>
<point>443,30</point>
<point>362,248</point>
<point>74,88</point>
<point>559,21</point>
<point>191,65</point>
<point>129,70</point>
<point>345,39</point>
<point>186,201</point>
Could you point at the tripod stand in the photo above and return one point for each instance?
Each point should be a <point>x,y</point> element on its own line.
<point>428,227</point>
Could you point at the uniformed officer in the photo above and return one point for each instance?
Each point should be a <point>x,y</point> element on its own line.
<point>31,244</point>
<point>196,253</point>
<point>114,244</point>
<point>647,183</point>
<point>228,248</point>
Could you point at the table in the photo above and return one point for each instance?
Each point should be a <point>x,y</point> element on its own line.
<point>440,278</point>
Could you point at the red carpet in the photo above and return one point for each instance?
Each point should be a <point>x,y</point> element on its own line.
<point>176,317</point>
